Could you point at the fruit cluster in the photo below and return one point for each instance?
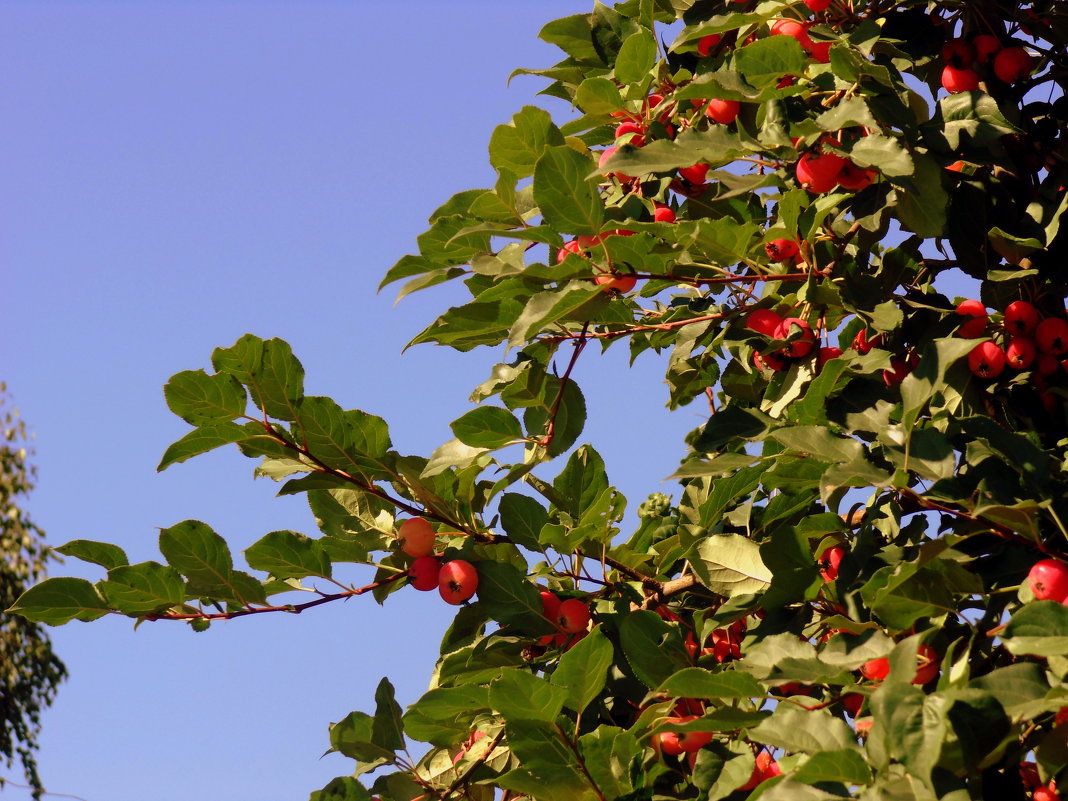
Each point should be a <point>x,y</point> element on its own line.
<point>456,580</point>
<point>968,61</point>
<point>1030,340</point>
<point>570,617</point>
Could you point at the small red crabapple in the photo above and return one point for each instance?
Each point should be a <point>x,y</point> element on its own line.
<point>802,340</point>
<point>1021,317</point>
<point>457,581</point>
<point>763,321</point>
<point>818,172</point>
<point>423,573</point>
<point>706,43</point>
<point>781,250</point>
<point>986,360</point>
<point>1048,580</point>
<point>722,111</point>
<point>572,616</point>
<point>985,46</point>
<point>416,537</point>
<point>1051,336</point>
<point>1013,63</point>
<point>956,80</point>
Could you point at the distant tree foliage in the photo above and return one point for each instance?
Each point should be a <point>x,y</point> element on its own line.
<point>29,671</point>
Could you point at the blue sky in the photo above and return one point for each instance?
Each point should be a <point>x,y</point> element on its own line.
<point>175,174</point>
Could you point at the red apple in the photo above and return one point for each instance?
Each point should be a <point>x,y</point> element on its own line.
<point>1051,336</point>
<point>763,321</point>
<point>855,178</point>
<point>985,46</point>
<point>695,174</point>
<point>609,282</point>
<point>423,573</point>
<point>799,334</point>
<point>821,51</point>
<point>664,214</point>
<point>1013,63</point>
<point>457,581</point>
<point>926,665</point>
<point>986,360</point>
<point>781,250</point>
<point>569,247</point>
<point>1048,580</point>
<point>1045,793</point>
<point>722,111</point>
<point>899,369</point>
<point>826,354</point>
<point>706,43</point>
<point>1020,352</point>
<point>791,27</point>
<point>769,361</point>
<point>573,616</point>
<point>861,343</point>
<point>876,669</point>
<point>830,560</point>
<point>956,80</point>
<point>818,172</point>
<point>958,53</point>
<point>975,316</point>
<point>817,6</point>
<point>852,703</point>
<point>1020,318</point>
<point>631,133</point>
<point>416,537</point>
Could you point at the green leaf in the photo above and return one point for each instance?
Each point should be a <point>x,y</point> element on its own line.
<point>444,715</point>
<point>214,435</point>
<point>583,670</point>
<point>507,595</point>
<point>522,519</point>
<point>730,564</point>
<point>56,601</point>
<point>694,682</point>
<point>1040,628</point>
<point>487,427</point>
<point>518,145</point>
<point>344,439</point>
<point>570,415</point>
<point>200,398</point>
<point>766,61</point>
<point>1012,248</point>
<point>387,730</point>
<point>573,35</point>
<point>144,587</point>
<point>343,788</point>
<point>598,95</point>
<point>818,441</point>
<point>99,553</point>
<point>581,482</point>
<point>268,368</point>
<point>884,153</point>
<point>806,730</point>
<point>922,206</point>
<point>198,553</point>
<point>636,57</point>
<point>354,737</point>
<point>843,765</point>
<point>546,308</point>
<point>609,754</point>
<point>288,554</point>
<point>518,694</point>
<point>568,200</point>
<point>652,647</point>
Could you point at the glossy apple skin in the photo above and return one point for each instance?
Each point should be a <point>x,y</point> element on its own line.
<point>572,616</point>
<point>723,111</point>
<point>801,336</point>
<point>986,360</point>
<point>1048,580</point>
<point>956,80</point>
<point>457,581</point>
<point>818,172</point>
<point>1021,318</point>
<point>1051,336</point>
<point>763,321</point>
<point>416,537</point>
<point>1012,63</point>
<point>876,669</point>
<point>424,572</point>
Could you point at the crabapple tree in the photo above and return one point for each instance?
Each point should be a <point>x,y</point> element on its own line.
<point>839,223</point>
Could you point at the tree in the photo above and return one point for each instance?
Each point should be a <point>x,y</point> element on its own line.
<point>31,672</point>
<point>842,601</point>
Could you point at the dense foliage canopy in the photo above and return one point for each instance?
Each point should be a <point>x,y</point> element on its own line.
<point>841,601</point>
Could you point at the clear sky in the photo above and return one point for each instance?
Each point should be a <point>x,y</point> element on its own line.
<point>173,175</point>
